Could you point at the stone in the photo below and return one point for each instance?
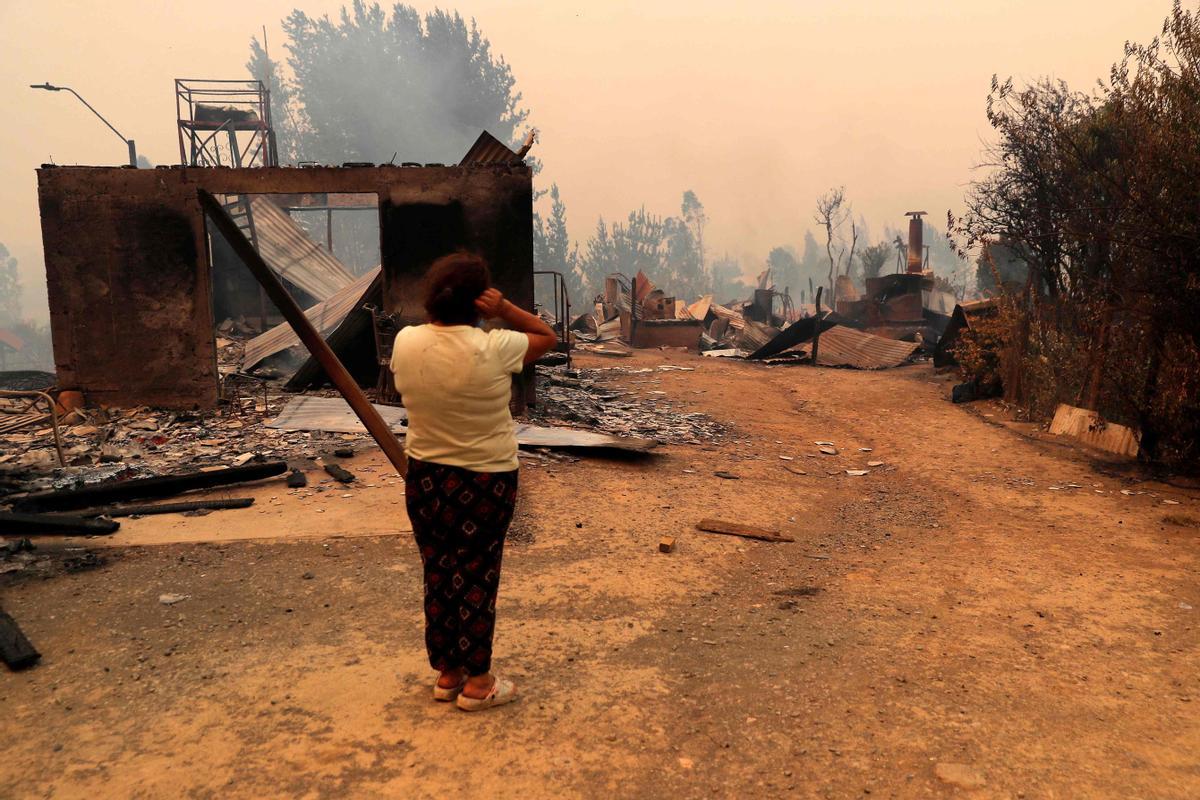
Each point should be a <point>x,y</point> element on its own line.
<point>963,776</point>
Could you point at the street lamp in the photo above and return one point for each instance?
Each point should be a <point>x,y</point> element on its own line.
<point>128,142</point>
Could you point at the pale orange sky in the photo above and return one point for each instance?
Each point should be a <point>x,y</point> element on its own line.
<point>758,106</point>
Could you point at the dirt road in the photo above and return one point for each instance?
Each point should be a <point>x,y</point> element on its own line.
<point>983,615</point>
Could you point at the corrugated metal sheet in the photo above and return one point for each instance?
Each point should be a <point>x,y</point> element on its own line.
<point>734,318</point>
<point>334,414</point>
<point>325,317</point>
<point>755,335</point>
<point>697,310</point>
<point>488,150</point>
<point>845,347</point>
<point>292,255</point>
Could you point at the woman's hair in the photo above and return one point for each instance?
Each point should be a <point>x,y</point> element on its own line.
<point>452,285</point>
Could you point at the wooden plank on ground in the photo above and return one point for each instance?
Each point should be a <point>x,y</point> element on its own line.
<point>13,523</point>
<point>745,531</point>
<point>144,488</point>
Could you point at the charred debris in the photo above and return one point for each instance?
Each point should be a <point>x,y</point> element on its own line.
<point>896,318</point>
<point>242,344</point>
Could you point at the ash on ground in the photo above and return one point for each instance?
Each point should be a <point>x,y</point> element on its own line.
<point>586,398</point>
<point>117,444</point>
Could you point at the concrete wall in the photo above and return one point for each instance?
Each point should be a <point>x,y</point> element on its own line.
<point>650,333</point>
<point>128,272</point>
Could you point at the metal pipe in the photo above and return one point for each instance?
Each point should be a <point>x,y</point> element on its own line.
<point>53,411</point>
<point>916,244</point>
<point>309,336</point>
<point>128,142</point>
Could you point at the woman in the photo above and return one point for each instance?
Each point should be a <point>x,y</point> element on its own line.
<point>461,487</point>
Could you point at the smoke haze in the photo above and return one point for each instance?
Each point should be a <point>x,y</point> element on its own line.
<point>756,106</point>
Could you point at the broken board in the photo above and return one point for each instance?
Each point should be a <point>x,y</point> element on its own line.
<point>325,316</point>
<point>333,414</point>
<point>1091,429</point>
<point>745,531</point>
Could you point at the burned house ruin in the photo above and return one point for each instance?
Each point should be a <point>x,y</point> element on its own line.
<point>133,283</point>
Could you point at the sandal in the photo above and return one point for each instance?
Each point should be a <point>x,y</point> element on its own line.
<point>502,692</point>
<point>444,695</point>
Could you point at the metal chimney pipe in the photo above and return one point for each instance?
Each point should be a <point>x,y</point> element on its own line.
<point>916,241</point>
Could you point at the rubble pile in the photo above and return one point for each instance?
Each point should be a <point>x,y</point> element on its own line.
<point>585,398</point>
<point>109,444</point>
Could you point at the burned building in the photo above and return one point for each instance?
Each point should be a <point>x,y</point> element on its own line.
<point>129,259</point>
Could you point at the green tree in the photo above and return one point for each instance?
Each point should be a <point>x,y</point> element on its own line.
<point>370,86</point>
<point>639,245</point>
<point>599,259</point>
<point>10,288</point>
<point>727,284</point>
<point>681,272</point>
<point>874,258</point>
<point>283,114</point>
<point>785,268</point>
<point>811,267</point>
<point>1096,194</point>
<point>999,259</point>
<point>552,250</point>
<point>695,219</point>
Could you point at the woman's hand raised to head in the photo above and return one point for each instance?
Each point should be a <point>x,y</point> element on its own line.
<point>490,303</point>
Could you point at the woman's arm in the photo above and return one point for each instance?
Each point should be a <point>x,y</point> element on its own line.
<point>492,305</point>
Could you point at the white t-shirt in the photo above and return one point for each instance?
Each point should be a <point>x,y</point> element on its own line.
<point>456,382</point>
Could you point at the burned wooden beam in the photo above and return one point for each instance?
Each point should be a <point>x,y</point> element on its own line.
<point>103,494</point>
<point>745,531</point>
<point>18,524</point>
<point>145,510</point>
<point>309,336</point>
<point>817,328</point>
<point>339,474</point>
<point>15,649</point>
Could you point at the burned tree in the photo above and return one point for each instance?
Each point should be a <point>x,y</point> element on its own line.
<point>1095,194</point>
<point>830,216</point>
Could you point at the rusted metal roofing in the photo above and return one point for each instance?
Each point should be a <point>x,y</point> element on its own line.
<point>292,255</point>
<point>845,347</point>
<point>697,310</point>
<point>488,150</point>
<point>755,335</point>
<point>325,317</point>
<point>735,319</point>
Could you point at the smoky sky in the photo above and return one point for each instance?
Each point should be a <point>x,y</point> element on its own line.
<point>758,107</point>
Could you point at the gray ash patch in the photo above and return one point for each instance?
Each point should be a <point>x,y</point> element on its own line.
<point>588,398</point>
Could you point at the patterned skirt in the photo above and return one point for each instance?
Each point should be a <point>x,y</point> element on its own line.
<point>460,519</point>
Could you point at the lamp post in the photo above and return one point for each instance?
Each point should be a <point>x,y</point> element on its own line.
<point>128,142</point>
